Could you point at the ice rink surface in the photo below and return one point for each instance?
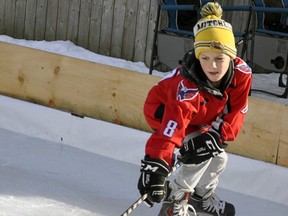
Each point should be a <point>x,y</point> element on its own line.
<point>98,176</point>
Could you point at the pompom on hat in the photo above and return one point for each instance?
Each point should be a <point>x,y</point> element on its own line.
<point>213,33</point>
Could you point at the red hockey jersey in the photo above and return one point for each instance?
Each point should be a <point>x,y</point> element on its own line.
<point>186,108</point>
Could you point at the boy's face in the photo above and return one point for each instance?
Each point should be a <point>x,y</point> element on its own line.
<point>215,65</point>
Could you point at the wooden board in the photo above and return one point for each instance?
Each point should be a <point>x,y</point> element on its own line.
<point>282,158</point>
<point>259,136</point>
<point>85,88</point>
<point>117,95</point>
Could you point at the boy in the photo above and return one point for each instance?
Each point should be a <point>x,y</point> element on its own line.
<point>196,108</point>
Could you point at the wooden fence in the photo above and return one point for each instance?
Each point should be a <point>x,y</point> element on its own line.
<point>117,28</point>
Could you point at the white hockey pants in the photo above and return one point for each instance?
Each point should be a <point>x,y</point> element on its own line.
<point>201,178</point>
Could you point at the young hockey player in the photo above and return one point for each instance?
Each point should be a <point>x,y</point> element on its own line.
<point>196,108</point>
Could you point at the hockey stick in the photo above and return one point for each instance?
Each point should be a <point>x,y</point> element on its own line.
<point>141,199</point>
<point>135,205</point>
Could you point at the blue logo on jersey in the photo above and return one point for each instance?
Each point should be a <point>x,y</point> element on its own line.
<point>185,93</point>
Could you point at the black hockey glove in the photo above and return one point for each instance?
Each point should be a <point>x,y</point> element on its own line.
<point>201,148</point>
<point>152,179</point>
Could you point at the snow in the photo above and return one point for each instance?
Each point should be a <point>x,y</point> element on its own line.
<point>53,163</point>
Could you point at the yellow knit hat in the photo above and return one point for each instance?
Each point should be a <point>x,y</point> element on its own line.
<point>213,33</point>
